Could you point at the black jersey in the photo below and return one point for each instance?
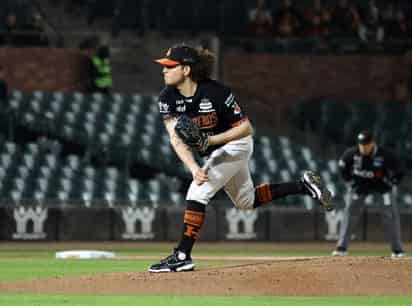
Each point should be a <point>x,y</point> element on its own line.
<point>213,107</point>
<point>375,173</point>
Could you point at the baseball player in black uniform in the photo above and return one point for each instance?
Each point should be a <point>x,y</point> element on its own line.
<point>370,169</point>
<point>203,115</point>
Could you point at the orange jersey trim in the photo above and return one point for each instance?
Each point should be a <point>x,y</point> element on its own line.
<point>237,123</point>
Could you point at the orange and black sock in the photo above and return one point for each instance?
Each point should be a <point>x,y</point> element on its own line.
<point>193,221</point>
<point>265,193</point>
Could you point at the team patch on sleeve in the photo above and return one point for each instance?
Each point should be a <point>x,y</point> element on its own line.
<point>232,105</point>
<point>163,107</point>
<point>230,100</point>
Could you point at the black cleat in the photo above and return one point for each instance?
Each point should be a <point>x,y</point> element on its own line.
<point>317,190</point>
<point>177,262</point>
<point>398,254</point>
<point>340,251</point>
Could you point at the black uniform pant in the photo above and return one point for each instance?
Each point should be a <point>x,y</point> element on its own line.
<point>390,219</point>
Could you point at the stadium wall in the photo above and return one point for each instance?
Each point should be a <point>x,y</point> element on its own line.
<point>275,78</point>
<point>51,69</point>
<point>281,80</point>
<point>164,224</point>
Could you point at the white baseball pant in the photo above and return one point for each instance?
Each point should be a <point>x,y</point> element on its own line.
<point>228,168</point>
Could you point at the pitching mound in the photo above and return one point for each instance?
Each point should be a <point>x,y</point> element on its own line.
<point>294,276</point>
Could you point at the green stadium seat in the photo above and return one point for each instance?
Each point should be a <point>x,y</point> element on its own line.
<point>334,115</point>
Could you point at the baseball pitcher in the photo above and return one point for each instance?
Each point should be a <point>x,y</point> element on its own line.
<point>202,115</point>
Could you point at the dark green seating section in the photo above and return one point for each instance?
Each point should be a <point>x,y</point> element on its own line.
<point>340,121</point>
<point>125,134</point>
<point>35,171</point>
<point>124,128</point>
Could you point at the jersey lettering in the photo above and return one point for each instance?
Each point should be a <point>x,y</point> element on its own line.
<point>364,173</point>
<point>206,121</point>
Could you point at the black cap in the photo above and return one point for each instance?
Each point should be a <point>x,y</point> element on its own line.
<point>365,137</point>
<point>179,54</point>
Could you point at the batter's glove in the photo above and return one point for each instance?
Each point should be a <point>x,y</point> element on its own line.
<point>190,134</point>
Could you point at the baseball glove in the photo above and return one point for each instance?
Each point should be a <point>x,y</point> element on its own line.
<point>190,134</point>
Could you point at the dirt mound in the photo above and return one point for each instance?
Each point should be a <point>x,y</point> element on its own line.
<point>296,276</point>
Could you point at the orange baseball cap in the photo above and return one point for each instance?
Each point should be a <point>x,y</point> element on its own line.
<point>179,55</point>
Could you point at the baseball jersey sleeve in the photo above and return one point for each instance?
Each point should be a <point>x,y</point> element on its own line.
<point>166,103</point>
<point>393,168</point>
<point>345,165</point>
<point>231,112</point>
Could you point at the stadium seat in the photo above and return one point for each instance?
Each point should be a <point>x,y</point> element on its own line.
<point>334,115</point>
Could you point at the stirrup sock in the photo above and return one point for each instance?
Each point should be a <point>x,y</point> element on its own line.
<point>264,193</point>
<point>193,221</point>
